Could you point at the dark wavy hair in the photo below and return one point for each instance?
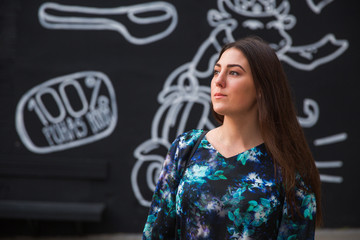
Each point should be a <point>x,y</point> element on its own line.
<point>280,129</point>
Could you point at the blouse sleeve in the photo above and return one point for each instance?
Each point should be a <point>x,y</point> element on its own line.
<point>160,223</point>
<point>302,224</point>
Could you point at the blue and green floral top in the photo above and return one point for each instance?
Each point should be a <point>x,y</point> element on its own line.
<point>238,197</point>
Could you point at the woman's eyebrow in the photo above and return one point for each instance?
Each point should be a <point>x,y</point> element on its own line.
<point>231,65</point>
<point>236,65</point>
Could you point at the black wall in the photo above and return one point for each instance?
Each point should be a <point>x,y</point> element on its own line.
<point>88,110</point>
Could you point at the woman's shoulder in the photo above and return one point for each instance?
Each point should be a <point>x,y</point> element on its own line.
<point>189,138</point>
<point>192,134</point>
<point>182,145</point>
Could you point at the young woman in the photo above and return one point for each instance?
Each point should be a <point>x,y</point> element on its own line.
<point>253,177</point>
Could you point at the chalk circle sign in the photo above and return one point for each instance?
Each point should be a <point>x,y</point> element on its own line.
<point>66,112</point>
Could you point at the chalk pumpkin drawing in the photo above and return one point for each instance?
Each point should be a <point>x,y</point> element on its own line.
<point>183,89</point>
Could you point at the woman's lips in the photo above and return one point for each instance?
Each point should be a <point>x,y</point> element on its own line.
<point>219,95</point>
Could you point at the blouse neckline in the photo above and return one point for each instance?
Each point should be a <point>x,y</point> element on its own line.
<point>234,156</point>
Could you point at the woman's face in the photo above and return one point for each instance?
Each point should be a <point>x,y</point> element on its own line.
<point>232,87</point>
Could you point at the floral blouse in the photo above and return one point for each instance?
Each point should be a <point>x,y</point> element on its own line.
<point>216,197</point>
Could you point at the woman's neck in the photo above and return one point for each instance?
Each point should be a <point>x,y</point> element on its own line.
<point>242,132</point>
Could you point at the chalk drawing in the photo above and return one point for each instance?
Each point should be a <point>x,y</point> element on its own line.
<point>70,127</point>
<point>329,164</point>
<point>62,125</point>
<point>308,52</point>
<point>340,137</point>
<point>316,8</point>
<point>330,139</point>
<point>71,17</point>
<point>301,57</point>
<point>331,179</point>
<point>311,109</point>
<point>188,86</point>
<point>333,139</point>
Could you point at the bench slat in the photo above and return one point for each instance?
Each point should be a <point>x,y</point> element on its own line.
<point>51,210</point>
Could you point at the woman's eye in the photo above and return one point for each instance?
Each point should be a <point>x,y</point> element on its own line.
<point>216,72</point>
<point>234,73</point>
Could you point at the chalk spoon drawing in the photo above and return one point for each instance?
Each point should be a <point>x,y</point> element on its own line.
<point>72,18</point>
<point>183,89</point>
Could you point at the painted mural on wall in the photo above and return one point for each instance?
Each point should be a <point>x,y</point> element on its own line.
<point>67,127</point>
<point>93,115</point>
<point>185,86</point>
<point>47,110</point>
<point>59,16</point>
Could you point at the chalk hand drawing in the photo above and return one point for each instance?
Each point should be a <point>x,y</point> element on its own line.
<point>316,8</point>
<point>73,18</point>
<point>68,125</point>
<point>185,87</point>
<point>309,53</point>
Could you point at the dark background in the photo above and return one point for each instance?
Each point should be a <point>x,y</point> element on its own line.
<point>31,54</point>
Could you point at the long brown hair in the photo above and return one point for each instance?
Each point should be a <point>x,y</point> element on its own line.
<point>281,132</point>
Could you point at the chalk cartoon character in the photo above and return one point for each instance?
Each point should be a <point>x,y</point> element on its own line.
<point>187,88</point>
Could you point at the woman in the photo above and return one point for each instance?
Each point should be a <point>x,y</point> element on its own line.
<point>253,177</point>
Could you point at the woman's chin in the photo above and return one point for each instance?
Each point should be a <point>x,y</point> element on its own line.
<point>220,111</point>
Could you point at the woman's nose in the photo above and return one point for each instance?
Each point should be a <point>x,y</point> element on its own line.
<point>220,80</point>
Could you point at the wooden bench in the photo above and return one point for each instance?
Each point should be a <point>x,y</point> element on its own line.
<point>33,212</point>
<point>51,210</point>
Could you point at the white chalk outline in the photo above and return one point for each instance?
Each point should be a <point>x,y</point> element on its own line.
<point>99,22</point>
<point>340,137</point>
<point>311,109</point>
<point>19,119</point>
<point>284,22</point>
<point>330,164</point>
<point>317,8</point>
<point>331,179</point>
<point>308,51</point>
<point>175,93</point>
